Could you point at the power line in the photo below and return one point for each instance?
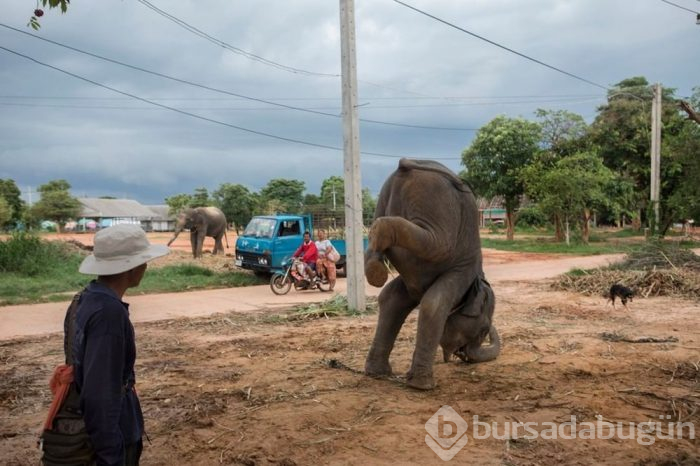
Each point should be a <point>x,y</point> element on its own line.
<point>227,46</point>
<point>547,98</point>
<point>681,7</point>
<point>209,88</point>
<point>254,57</point>
<point>203,118</point>
<point>539,62</point>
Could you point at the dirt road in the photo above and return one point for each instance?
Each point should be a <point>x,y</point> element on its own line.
<point>38,319</point>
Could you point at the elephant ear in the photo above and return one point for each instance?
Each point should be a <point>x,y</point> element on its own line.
<point>197,217</point>
<point>472,302</point>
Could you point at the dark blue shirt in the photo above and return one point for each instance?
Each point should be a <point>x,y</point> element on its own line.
<point>104,353</point>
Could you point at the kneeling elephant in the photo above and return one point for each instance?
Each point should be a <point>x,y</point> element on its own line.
<point>426,226</point>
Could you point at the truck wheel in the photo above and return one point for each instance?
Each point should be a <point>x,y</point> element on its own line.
<point>279,285</point>
<point>342,269</point>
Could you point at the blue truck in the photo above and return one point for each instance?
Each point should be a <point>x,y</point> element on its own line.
<point>269,240</point>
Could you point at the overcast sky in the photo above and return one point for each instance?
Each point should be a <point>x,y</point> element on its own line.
<point>433,83</point>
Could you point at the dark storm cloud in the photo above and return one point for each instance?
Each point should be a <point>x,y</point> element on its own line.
<point>411,70</point>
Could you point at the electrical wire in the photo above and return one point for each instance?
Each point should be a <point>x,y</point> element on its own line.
<point>203,118</point>
<point>681,7</point>
<point>227,46</point>
<point>221,91</point>
<point>559,70</point>
<point>258,58</point>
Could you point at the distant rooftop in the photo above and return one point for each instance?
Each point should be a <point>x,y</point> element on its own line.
<point>115,208</point>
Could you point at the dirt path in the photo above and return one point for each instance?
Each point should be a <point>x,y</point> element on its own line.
<point>38,319</point>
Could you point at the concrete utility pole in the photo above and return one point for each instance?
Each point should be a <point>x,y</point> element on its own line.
<point>655,155</point>
<point>354,267</point>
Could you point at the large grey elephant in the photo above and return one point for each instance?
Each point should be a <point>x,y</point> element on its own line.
<point>202,222</point>
<point>427,225</point>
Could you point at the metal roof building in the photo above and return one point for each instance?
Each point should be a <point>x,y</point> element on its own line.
<point>108,212</point>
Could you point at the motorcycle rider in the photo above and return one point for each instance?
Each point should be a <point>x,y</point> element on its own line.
<point>309,254</point>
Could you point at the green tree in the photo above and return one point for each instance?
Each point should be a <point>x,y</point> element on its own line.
<point>11,194</point>
<point>236,202</point>
<point>622,133</point>
<point>333,193</point>
<point>56,203</point>
<point>573,188</point>
<point>680,170</point>
<point>563,132</point>
<point>284,195</point>
<point>178,203</point>
<point>495,158</point>
<point>200,198</point>
<point>369,205</point>
<point>5,212</point>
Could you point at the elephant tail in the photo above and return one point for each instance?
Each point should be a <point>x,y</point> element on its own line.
<point>226,238</point>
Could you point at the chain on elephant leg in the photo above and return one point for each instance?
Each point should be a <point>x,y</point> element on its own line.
<point>376,364</point>
<point>420,378</point>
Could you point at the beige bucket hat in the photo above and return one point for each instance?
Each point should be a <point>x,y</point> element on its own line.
<point>120,248</point>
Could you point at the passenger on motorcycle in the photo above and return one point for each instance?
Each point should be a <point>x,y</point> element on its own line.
<point>309,254</point>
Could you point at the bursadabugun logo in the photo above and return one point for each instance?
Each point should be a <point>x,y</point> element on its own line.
<point>447,433</point>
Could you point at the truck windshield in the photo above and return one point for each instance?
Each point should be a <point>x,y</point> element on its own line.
<point>260,228</point>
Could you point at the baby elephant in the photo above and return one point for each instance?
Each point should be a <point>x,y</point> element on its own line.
<point>468,325</point>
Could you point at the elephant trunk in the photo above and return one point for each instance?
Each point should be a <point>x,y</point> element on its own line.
<point>177,232</point>
<point>485,353</point>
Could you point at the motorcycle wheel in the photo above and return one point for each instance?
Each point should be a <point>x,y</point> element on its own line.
<point>301,285</point>
<point>279,285</point>
<point>323,285</point>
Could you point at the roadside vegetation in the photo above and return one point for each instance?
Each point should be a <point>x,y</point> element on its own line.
<point>607,240</point>
<point>33,271</point>
<point>655,268</point>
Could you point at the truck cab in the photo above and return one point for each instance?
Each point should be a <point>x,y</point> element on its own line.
<point>268,240</point>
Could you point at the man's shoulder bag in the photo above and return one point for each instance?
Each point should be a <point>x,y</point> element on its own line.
<point>64,439</point>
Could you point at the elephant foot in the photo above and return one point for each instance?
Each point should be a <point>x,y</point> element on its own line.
<point>376,271</point>
<point>377,369</point>
<point>423,381</point>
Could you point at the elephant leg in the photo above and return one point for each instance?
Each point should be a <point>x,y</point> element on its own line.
<point>388,232</point>
<point>218,246</point>
<point>394,306</point>
<point>193,243</point>
<point>200,242</point>
<point>435,308</point>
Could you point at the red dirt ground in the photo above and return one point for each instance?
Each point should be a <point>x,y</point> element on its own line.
<point>260,389</point>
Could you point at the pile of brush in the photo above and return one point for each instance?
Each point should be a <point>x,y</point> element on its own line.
<point>656,269</point>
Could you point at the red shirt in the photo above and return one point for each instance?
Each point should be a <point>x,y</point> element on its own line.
<point>308,252</point>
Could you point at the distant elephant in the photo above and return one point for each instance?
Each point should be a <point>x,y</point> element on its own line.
<point>427,225</point>
<point>202,221</point>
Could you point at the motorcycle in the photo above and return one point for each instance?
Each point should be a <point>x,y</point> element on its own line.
<point>294,274</point>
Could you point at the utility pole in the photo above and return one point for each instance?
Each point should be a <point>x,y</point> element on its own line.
<point>655,185</point>
<point>354,265</point>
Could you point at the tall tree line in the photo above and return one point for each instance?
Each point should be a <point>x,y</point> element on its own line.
<point>572,171</point>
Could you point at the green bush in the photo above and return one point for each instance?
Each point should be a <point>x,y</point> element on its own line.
<point>27,255</point>
<point>532,217</point>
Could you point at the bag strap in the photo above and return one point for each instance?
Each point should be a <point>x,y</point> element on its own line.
<point>71,316</point>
